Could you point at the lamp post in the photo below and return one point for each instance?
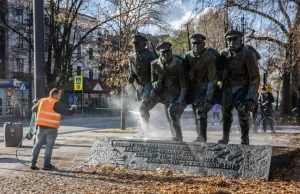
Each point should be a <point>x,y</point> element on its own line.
<point>22,89</point>
<point>123,116</point>
<point>29,24</point>
<point>226,20</point>
<point>3,48</point>
<point>39,49</point>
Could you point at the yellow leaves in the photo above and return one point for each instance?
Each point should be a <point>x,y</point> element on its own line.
<point>111,179</point>
<point>222,182</point>
<point>164,171</point>
<point>163,191</point>
<point>108,168</point>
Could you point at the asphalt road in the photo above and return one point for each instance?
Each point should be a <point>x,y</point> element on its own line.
<point>158,120</point>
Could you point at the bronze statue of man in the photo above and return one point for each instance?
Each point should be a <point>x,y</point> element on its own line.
<point>240,82</point>
<point>169,87</point>
<point>202,67</point>
<point>140,73</point>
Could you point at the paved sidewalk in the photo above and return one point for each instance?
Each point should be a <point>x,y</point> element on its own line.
<point>76,138</point>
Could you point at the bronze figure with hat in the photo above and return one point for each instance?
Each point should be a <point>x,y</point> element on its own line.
<point>140,74</point>
<point>240,75</point>
<point>201,65</point>
<point>233,34</point>
<point>169,87</point>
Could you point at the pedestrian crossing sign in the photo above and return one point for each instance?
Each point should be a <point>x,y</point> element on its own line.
<point>22,87</point>
<point>78,83</point>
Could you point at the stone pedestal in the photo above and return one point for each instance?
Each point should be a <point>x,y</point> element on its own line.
<point>236,161</point>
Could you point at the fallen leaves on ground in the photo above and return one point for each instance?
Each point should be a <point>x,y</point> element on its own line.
<point>291,139</point>
<point>110,179</point>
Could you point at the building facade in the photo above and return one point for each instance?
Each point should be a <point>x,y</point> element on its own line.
<point>17,52</point>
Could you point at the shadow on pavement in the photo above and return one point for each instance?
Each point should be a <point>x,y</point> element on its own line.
<point>89,129</point>
<point>29,147</point>
<point>16,169</point>
<point>72,145</point>
<point>11,160</point>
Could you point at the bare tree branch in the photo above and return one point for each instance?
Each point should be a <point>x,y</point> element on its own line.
<point>282,27</point>
<point>267,38</point>
<point>286,16</point>
<point>296,1</point>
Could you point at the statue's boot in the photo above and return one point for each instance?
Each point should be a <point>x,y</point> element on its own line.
<point>226,131</point>
<point>144,109</point>
<point>245,131</point>
<point>201,131</point>
<point>169,119</point>
<point>143,129</point>
<point>176,127</point>
<point>176,139</point>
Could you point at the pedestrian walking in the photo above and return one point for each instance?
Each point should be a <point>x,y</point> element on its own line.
<point>265,101</point>
<point>49,111</point>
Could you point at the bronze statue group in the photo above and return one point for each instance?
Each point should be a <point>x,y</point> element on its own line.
<point>177,82</point>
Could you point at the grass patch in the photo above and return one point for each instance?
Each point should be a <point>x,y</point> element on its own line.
<point>116,130</point>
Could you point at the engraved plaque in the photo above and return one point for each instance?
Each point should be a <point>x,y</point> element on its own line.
<point>236,161</point>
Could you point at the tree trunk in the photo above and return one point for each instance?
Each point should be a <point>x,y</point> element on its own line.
<point>285,92</point>
<point>2,41</point>
<point>2,52</point>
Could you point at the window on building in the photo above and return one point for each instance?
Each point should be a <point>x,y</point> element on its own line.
<point>91,74</point>
<point>20,67</point>
<point>91,53</point>
<point>99,71</point>
<point>19,15</point>
<point>78,70</point>
<point>30,18</point>
<point>79,52</point>
<point>20,42</point>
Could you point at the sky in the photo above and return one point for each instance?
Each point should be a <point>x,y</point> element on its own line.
<point>179,14</point>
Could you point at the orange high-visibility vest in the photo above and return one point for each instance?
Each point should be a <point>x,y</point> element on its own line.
<point>46,116</point>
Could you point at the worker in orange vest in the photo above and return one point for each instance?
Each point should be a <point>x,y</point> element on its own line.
<point>48,111</point>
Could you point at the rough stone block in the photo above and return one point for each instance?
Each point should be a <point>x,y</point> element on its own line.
<point>236,161</point>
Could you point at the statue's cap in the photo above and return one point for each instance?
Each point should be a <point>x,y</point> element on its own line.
<point>233,33</point>
<point>138,38</point>
<point>197,37</point>
<point>163,46</point>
